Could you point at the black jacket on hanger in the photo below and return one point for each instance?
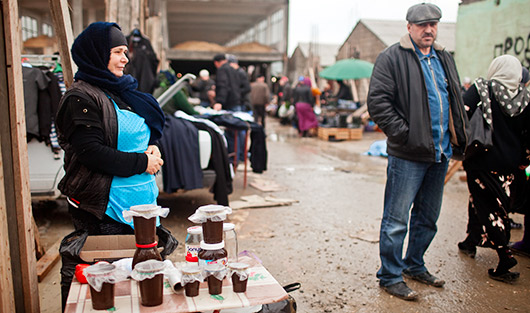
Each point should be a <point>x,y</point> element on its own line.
<point>179,146</point>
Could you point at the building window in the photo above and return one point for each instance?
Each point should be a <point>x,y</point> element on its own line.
<point>29,28</point>
<point>47,30</point>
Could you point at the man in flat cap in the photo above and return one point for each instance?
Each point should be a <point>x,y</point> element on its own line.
<point>415,99</point>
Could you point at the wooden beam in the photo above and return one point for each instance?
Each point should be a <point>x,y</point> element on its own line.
<point>7,299</point>
<point>63,29</point>
<point>454,166</point>
<point>46,263</point>
<point>77,16</point>
<point>111,10</point>
<point>16,170</point>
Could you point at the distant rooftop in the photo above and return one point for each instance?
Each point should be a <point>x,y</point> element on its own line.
<point>326,52</point>
<point>391,31</point>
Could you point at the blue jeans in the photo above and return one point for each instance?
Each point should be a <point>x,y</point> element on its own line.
<point>415,187</point>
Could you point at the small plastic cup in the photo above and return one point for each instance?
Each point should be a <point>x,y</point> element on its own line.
<point>239,276</point>
<point>215,274</point>
<point>99,277</point>
<point>191,279</point>
<point>150,277</point>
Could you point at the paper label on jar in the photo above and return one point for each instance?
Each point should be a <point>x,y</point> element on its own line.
<point>192,252</point>
<point>222,261</point>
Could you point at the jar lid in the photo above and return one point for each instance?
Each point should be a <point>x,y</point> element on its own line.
<point>195,230</point>
<point>100,268</point>
<point>228,226</point>
<point>212,246</point>
<point>212,209</point>
<point>238,266</point>
<point>191,269</point>
<point>150,266</point>
<point>143,208</point>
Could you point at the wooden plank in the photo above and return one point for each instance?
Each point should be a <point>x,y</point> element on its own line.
<point>7,300</point>
<point>48,260</point>
<point>16,177</point>
<point>454,166</point>
<point>39,249</point>
<point>63,29</point>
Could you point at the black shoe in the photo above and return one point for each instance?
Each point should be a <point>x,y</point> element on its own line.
<point>506,277</point>
<point>468,249</point>
<point>401,290</point>
<point>426,278</point>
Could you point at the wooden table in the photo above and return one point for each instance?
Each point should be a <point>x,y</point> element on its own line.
<point>262,288</point>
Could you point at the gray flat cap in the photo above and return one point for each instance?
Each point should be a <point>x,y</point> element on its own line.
<point>423,13</point>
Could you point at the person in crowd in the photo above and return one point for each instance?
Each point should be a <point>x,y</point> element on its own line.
<point>326,98</point>
<point>522,247</point>
<point>466,84</point>
<point>304,103</point>
<point>415,99</point>
<point>204,85</point>
<point>108,131</point>
<point>179,102</point>
<point>244,82</point>
<point>494,176</point>
<point>520,203</point>
<point>344,92</point>
<point>228,97</point>
<point>285,96</point>
<point>259,98</point>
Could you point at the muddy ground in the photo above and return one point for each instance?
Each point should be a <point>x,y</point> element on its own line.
<point>328,241</point>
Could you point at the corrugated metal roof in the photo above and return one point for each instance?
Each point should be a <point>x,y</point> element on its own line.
<point>390,31</point>
<point>326,52</point>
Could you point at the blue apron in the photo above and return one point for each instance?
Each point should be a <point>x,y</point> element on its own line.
<point>133,136</point>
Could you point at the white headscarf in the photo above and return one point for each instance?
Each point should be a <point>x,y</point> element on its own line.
<point>507,70</point>
<point>504,79</point>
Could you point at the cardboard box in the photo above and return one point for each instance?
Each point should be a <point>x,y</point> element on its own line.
<point>108,248</point>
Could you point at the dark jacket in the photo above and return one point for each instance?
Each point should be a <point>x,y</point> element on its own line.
<point>510,138</point>
<point>302,93</point>
<point>202,86</point>
<point>90,189</point>
<point>398,103</point>
<point>227,87</point>
<point>244,86</point>
<point>143,63</point>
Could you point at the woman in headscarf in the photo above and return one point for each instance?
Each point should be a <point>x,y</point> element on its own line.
<point>304,102</point>
<point>492,174</point>
<point>108,131</point>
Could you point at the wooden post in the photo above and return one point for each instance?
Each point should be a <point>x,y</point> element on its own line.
<point>15,170</point>
<point>164,64</point>
<point>7,300</point>
<point>63,29</point>
<point>111,10</point>
<point>353,87</point>
<point>77,16</point>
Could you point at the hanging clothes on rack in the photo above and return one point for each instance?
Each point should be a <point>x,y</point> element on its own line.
<point>179,146</point>
<point>34,81</point>
<point>143,61</point>
<point>42,93</point>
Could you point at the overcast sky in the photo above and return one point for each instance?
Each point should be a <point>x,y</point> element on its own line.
<point>331,21</point>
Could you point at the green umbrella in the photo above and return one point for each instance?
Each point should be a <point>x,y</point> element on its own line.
<point>348,69</point>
